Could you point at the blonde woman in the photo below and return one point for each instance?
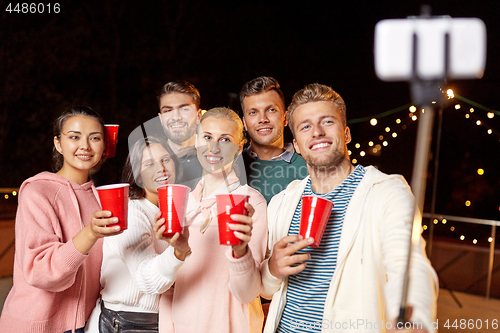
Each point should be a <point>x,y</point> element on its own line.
<point>217,289</point>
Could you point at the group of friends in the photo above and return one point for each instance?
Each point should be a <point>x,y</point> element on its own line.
<point>75,273</point>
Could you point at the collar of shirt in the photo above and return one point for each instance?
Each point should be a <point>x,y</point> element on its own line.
<point>285,156</point>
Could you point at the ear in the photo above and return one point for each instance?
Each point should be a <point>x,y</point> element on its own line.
<point>199,115</point>
<point>245,124</point>
<point>296,146</point>
<point>286,120</point>
<point>57,144</point>
<point>348,137</point>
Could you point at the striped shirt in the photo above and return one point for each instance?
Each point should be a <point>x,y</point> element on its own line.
<point>307,290</point>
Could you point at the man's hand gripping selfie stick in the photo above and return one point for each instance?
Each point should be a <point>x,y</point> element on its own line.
<point>426,51</point>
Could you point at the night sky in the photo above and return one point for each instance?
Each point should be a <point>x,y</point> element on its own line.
<point>114,56</point>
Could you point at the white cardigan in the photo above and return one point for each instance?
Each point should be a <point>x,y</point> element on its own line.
<point>365,291</point>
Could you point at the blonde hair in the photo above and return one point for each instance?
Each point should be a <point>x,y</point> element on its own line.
<point>315,92</point>
<point>226,113</point>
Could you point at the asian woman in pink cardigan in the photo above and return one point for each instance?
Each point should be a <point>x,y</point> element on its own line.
<point>59,231</point>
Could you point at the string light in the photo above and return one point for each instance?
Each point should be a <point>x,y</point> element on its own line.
<point>478,123</point>
<point>373,121</point>
<point>412,108</point>
<point>490,239</point>
<point>474,241</point>
<point>457,106</point>
<point>450,94</point>
<point>490,115</point>
<point>467,203</point>
<point>480,172</point>
<point>462,237</point>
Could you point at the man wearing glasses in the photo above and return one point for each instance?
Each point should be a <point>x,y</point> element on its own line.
<point>180,112</point>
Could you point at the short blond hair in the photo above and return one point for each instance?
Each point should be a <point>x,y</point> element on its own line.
<point>315,92</point>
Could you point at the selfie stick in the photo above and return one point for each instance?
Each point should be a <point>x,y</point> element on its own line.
<point>425,51</point>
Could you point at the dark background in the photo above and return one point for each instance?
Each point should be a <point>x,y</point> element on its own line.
<point>114,55</point>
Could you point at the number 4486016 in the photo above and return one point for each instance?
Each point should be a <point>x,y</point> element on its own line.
<point>33,8</point>
<point>472,324</point>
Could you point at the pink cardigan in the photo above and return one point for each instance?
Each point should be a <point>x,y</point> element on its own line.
<point>215,292</point>
<point>55,286</point>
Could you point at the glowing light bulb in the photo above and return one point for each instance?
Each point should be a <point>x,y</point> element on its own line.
<point>414,118</point>
<point>362,153</point>
<point>480,172</point>
<point>385,143</point>
<point>394,134</point>
<point>450,93</point>
<point>471,110</point>
<point>349,152</point>
<point>490,131</point>
<point>398,121</point>
<point>467,203</point>
<point>373,122</point>
<point>457,106</point>
<point>354,161</point>
<point>381,137</point>
<point>413,108</point>
<point>490,239</point>
<point>490,115</point>
<point>444,221</point>
<point>474,241</point>
<point>6,196</point>
<point>478,123</point>
<point>357,145</point>
<point>370,143</point>
<point>424,227</point>
<point>387,129</point>
<point>435,221</point>
<point>462,237</point>
<point>467,116</point>
<point>14,193</point>
<point>452,228</point>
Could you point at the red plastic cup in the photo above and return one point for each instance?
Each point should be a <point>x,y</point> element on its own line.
<point>228,204</point>
<point>111,140</point>
<point>172,201</point>
<point>314,217</point>
<point>114,198</point>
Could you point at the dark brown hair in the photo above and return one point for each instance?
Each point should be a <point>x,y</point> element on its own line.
<point>182,87</point>
<point>260,85</point>
<point>57,158</point>
<point>132,169</point>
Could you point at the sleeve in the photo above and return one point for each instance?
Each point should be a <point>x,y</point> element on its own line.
<point>395,234</point>
<point>270,283</point>
<point>152,273</point>
<point>45,260</point>
<point>245,281</point>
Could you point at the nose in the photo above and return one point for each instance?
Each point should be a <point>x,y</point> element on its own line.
<point>85,144</point>
<point>213,147</point>
<point>263,118</point>
<point>176,114</point>
<point>318,131</point>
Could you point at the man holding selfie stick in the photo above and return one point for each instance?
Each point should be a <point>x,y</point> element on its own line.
<point>353,280</point>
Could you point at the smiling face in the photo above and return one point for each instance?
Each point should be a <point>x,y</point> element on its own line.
<point>217,144</point>
<point>265,118</point>
<point>157,169</point>
<point>81,143</point>
<point>320,136</point>
<point>179,116</point>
